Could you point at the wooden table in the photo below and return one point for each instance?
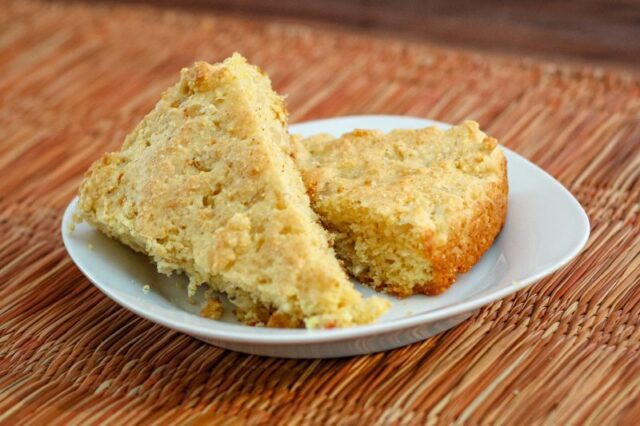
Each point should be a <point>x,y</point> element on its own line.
<point>592,30</point>
<point>76,77</point>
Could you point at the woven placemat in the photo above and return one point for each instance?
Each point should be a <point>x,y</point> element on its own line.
<point>75,78</point>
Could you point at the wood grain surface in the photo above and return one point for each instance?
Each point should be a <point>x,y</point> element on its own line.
<point>76,77</point>
<point>593,30</point>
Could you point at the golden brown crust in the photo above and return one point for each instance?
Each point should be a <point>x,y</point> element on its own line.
<point>471,240</point>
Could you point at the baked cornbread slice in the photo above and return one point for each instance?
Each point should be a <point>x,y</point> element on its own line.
<point>205,184</point>
<point>409,209</point>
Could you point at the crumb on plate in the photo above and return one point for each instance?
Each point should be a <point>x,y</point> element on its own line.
<point>213,308</point>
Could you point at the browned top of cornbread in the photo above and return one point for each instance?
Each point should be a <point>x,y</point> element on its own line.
<point>205,185</point>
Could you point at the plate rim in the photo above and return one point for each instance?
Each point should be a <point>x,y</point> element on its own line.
<point>247,334</point>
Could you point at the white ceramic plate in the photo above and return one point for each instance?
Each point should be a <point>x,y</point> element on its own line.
<point>545,228</point>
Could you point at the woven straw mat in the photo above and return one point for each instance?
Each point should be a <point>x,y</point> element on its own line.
<point>76,77</point>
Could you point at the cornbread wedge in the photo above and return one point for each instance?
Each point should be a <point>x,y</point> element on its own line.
<point>409,209</point>
<point>205,184</point>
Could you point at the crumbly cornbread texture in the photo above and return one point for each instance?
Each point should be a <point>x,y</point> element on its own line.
<point>409,209</point>
<point>205,184</point>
